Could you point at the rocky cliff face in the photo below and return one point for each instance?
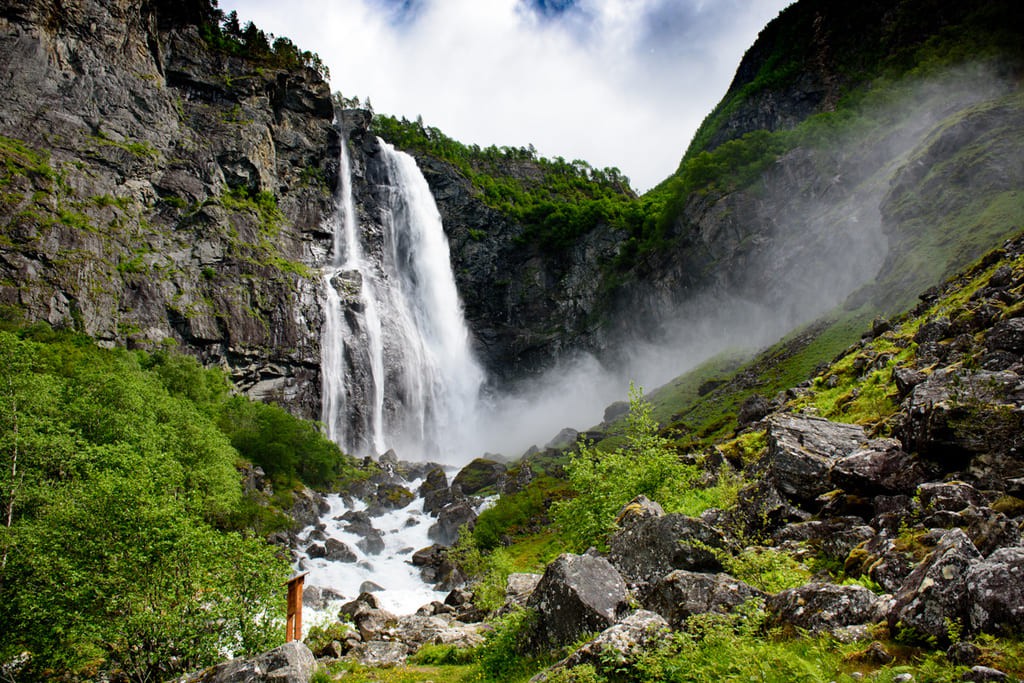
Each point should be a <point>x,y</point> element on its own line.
<point>156,192</point>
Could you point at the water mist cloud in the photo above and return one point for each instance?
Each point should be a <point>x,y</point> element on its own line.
<point>620,83</point>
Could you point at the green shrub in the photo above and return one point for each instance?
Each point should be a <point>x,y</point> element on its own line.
<point>604,481</point>
<point>503,653</point>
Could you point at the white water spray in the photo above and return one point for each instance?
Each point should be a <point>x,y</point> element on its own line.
<point>398,370</point>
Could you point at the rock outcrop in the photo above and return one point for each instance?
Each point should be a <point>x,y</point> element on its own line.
<point>163,193</point>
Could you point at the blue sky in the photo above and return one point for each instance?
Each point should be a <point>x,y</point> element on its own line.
<point>614,82</point>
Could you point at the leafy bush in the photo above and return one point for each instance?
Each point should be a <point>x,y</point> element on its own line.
<point>502,654</point>
<point>113,491</point>
<point>604,481</point>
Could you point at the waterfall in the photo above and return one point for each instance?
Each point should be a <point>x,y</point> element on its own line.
<point>397,366</point>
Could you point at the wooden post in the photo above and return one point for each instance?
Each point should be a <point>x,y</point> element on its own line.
<point>293,623</point>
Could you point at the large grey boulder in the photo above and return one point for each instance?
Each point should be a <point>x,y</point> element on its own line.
<point>881,467</point>
<point>956,414</point>
<point>802,450</point>
<point>824,607</point>
<point>936,591</point>
<point>648,547</point>
<point>291,663</point>
<point>996,592</point>
<point>682,594</point>
<point>617,645</point>
<point>578,594</point>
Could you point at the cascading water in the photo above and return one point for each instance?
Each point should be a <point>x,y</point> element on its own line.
<point>398,371</point>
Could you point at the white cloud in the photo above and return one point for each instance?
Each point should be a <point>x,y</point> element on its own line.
<point>614,82</point>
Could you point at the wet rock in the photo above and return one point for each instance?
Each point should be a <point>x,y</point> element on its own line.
<point>318,597</point>
<point>682,594</point>
<point>578,594</point>
<point>435,492</point>
<point>451,518</point>
<point>936,591</point>
<point>647,548</point>
<point>637,509</point>
<point>881,467</point>
<point>881,560</point>
<point>985,674</point>
<point>801,450</point>
<point>478,475</point>
<point>336,551</point>
<point>1006,335</point>
<point>390,496</point>
<point>963,653</point>
<point>906,379</point>
<point>290,663</point>
<point>933,331</point>
<point>308,507</point>
<point>615,410</point>
<point>370,587</point>
<point>821,607</point>
<point>996,592</point>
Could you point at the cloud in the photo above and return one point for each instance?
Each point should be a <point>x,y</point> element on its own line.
<point>614,82</point>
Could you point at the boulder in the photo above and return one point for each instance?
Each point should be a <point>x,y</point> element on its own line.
<point>391,496</point>
<point>1006,335</point>
<point>761,510</point>
<point>936,590</point>
<point>452,518</point>
<point>801,451</point>
<point>647,548</point>
<point>823,607</point>
<point>881,467</point>
<point>336,551</point>
<point>882,561</point>
<point>308,507</point>
<point>435,492</point>
<point>996,592</point>
<point>291,663</point>
<point>833,538</point>
<point>380,653</point>
<point>681,594</point>
<point>478,475</point>
<point>956,414</point>
<point>578,594</point>
<point>519,587</point>
<point>617,645</point>
<point>952,496</point>
<point>754,408</point>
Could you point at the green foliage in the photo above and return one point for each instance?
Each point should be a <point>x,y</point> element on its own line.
<point>604,481</point>
<point>288,449</point>
<point>113,489</point>
<point>516,513</point>
<point>443,654</point>
<point>767,569</point>
<point>224,34</point>
<point>503,653</point>
<point>556,201</point>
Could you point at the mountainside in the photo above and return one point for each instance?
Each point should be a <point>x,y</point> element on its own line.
<point>158,190</point>
<point>784,205</point>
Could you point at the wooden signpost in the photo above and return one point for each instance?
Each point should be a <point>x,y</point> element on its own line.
<point>293,624</point>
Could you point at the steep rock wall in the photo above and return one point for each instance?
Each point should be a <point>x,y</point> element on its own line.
<point>156,192</point>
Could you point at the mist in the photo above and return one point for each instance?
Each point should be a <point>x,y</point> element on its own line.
<point>800,241</point>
